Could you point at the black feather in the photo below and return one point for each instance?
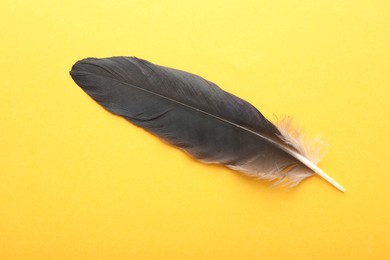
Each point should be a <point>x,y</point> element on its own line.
<point>191,113</point>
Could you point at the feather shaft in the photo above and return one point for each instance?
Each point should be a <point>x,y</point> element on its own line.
<point>318,171</point>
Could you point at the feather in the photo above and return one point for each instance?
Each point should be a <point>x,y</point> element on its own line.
<point>198,117</point>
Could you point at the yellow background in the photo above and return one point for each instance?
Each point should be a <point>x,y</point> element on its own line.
<point>79,183</point>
